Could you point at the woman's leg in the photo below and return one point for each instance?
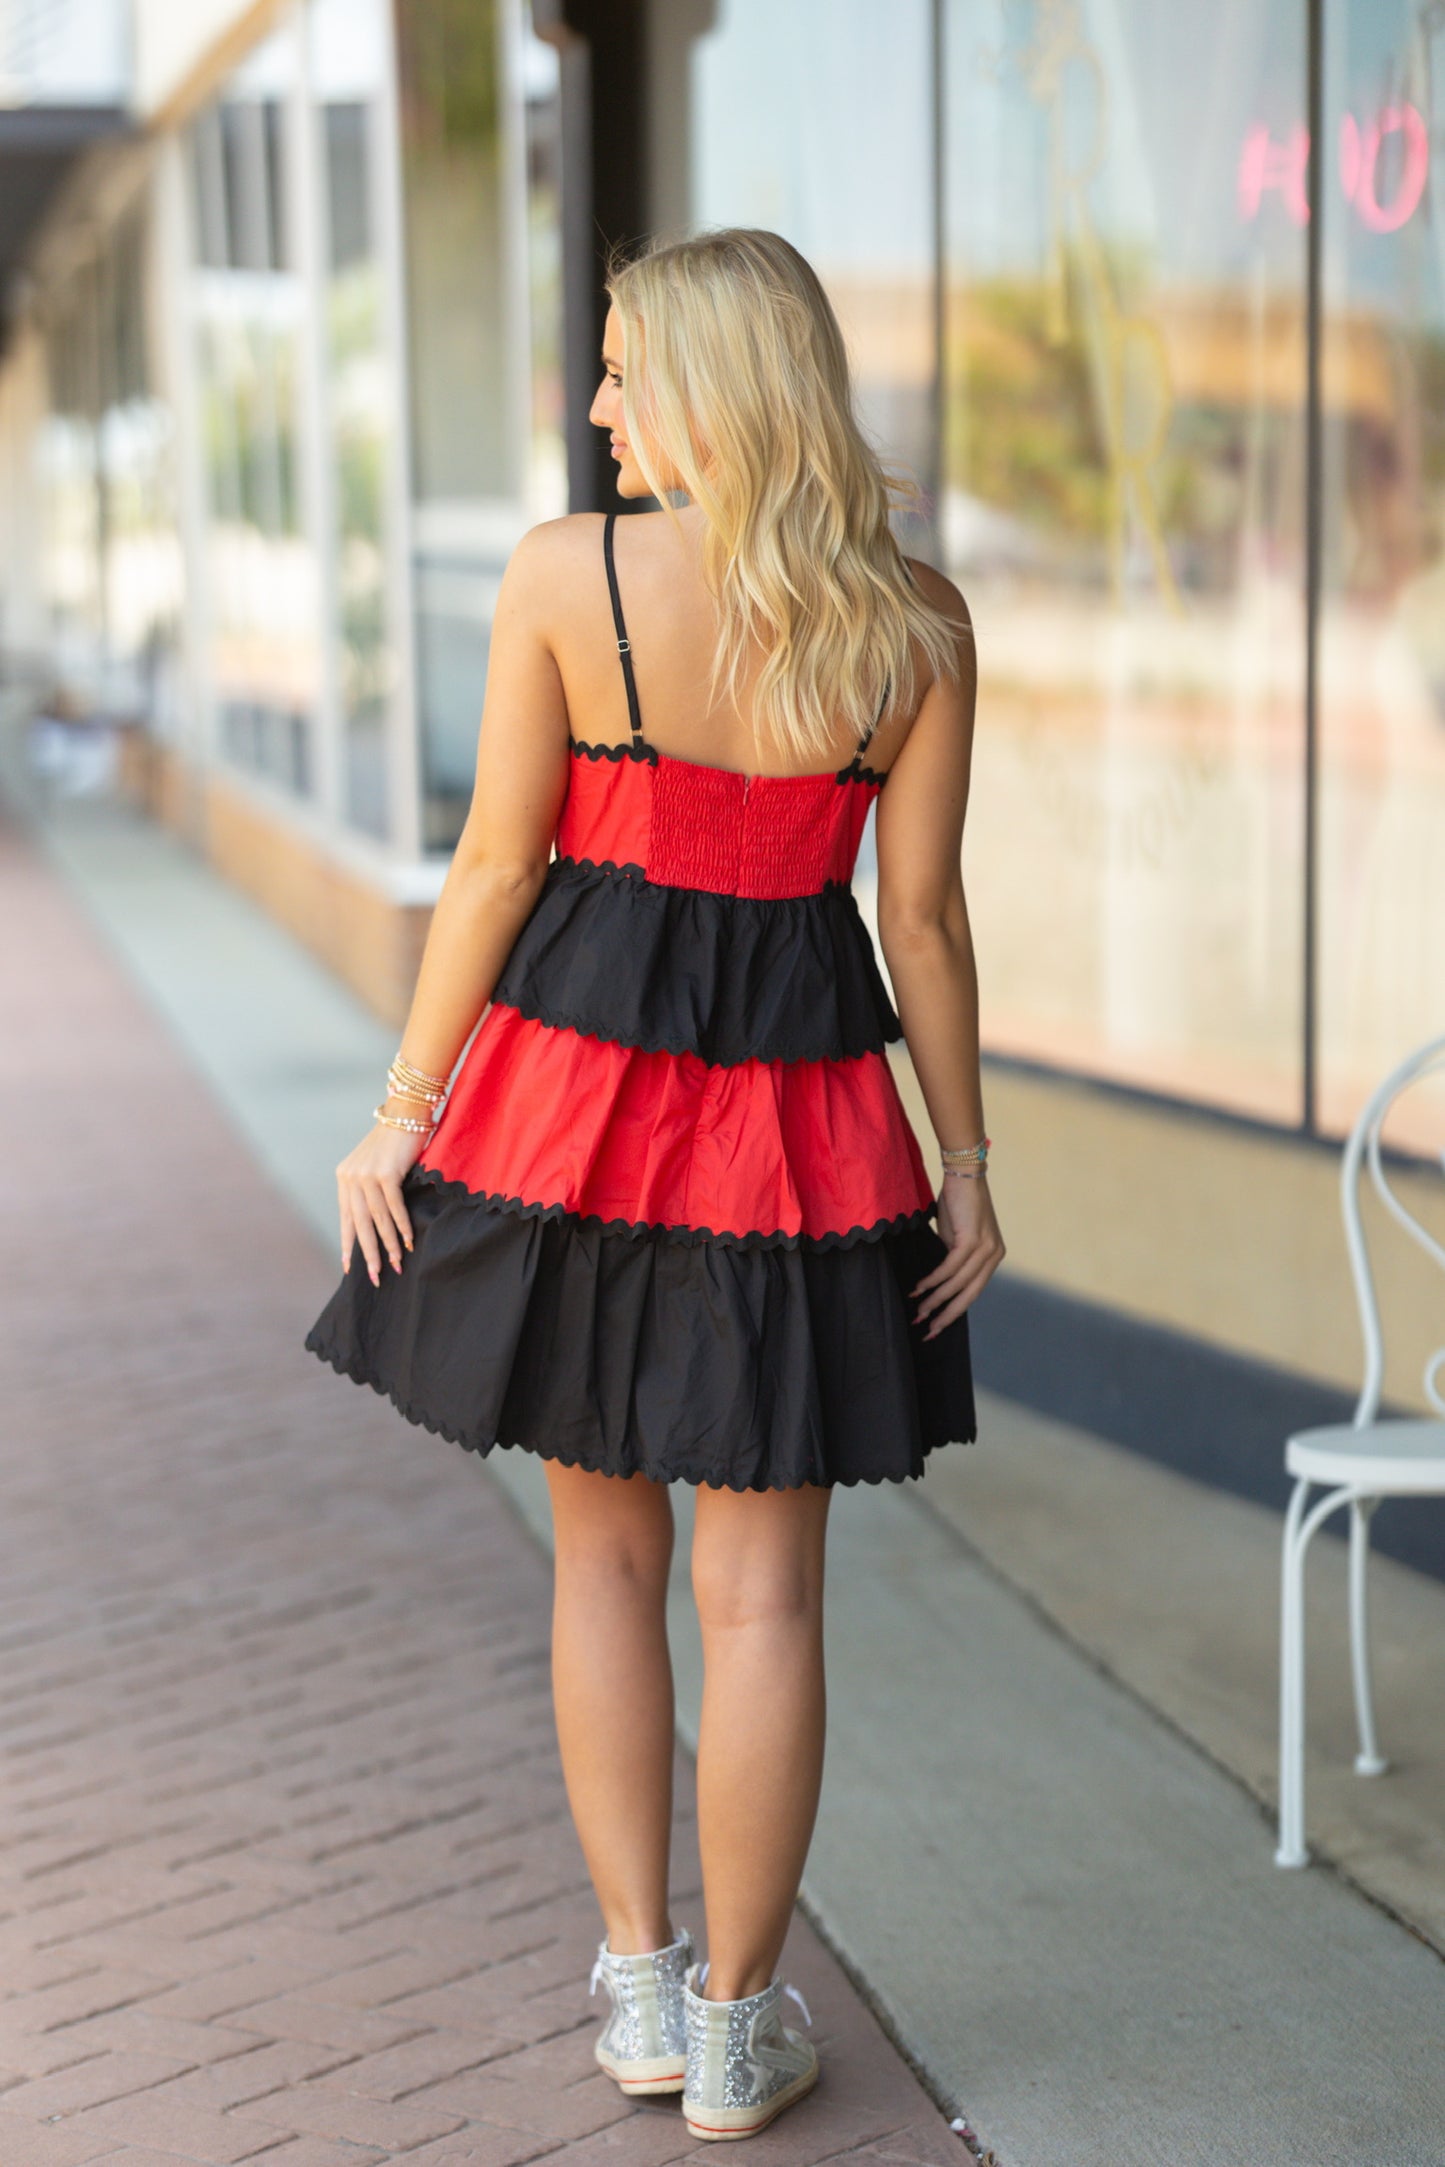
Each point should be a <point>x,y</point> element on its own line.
<point>612,1684</point>
<point>757,1571</point>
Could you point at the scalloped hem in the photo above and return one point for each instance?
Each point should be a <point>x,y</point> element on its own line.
<point>483,1445</point>
<point>903,1222</point>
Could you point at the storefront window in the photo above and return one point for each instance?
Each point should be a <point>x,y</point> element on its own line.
<point>1381,954</point>
<point>67,458</point>
<point>1125,445</point>
<point>263,595</point>
<point>112,569</point>
<point>143,571</point>
<point>815,120</point>
<point>479,144</point>
<point>347,83</point>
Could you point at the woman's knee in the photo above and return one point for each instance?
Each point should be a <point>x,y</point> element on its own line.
<point>760,1567</point>
<point>613,1531</point>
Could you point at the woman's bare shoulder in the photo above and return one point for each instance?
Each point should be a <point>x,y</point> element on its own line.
<point>553,545</point>
<point>937,588</point>
<point>554,567</point>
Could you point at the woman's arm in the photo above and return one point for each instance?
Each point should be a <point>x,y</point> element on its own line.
<point>491,885</point>
<point>927,944</point>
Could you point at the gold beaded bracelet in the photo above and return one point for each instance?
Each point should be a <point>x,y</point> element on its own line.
<point>422,1075</point>
<point>410,1082</point>
<point>399,1088</point>
<point>395,1121</point>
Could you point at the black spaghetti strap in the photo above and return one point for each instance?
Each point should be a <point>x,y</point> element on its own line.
<point>624,645</point>
<point>863,740</point>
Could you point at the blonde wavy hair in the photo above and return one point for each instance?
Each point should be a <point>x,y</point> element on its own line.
<point>735,377</point>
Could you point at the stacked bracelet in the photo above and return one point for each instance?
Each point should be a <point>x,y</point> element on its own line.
<point>397,1121</point>
<point>408,1082</point>
<point>415,1087</point>
<point>969,1160</point>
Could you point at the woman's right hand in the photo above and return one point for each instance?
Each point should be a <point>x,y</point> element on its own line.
<point>970,1231</point>
<point>373,1211</point>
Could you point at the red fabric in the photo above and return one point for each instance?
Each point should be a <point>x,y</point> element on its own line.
<point>692,826</point>
<point>558,1117</point>
<point>606,811</point>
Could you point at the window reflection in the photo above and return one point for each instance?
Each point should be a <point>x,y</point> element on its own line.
<point>479,146</point>
<point>70,483</point>
<point>1381,982</point>
<point>815,120</point>
<point>347,81</point>
<point>262,589</point>
<point>1124,447</point>
<point>111,565</point>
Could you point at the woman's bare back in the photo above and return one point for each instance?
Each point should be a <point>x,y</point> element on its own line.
<point>672,634</point>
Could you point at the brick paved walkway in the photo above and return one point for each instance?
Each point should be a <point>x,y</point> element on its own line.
<point>287,1869</point>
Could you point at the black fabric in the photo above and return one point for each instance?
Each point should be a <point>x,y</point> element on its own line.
<point>627,1353</point>
<point>730,978</point>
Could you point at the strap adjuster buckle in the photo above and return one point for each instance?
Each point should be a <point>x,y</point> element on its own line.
<point>624,647</point>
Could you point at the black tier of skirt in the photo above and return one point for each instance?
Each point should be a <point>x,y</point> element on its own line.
<point>756,1365</point>
<point>730,978</point>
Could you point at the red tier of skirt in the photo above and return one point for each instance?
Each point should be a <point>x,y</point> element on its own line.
<point>784,1149</point>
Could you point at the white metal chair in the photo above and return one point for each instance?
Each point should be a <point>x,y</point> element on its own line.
<point>1359,1461</point>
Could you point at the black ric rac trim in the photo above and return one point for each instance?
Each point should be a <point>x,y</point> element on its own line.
<point>615,752</point>
<point>687,1237</point>
<point>857,770</point>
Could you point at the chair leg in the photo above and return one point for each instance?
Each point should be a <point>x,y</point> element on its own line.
<point>1290,1849</point>
<point>1368,1761</point>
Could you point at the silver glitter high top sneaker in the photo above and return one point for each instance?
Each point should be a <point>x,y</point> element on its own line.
<point>644,2041</point>
<point>744,2065</point>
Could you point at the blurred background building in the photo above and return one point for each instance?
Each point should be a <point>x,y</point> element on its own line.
<point>301,308</point>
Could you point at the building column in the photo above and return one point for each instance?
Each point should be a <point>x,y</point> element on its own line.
<point>603,49</point>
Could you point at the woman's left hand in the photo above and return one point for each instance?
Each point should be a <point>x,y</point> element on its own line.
<point>968,1226</point>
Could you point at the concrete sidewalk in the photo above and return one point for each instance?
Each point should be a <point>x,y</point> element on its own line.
<point>1063,1906</point>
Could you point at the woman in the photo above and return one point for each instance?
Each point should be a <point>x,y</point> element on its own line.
<point>673,1223</point>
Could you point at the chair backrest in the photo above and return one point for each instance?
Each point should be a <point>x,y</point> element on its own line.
<point>1363,1147</point>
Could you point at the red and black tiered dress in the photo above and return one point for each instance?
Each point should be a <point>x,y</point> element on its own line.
<point>669,1217</point>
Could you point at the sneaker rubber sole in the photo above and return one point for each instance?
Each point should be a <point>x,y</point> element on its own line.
<point>663,2073</point>
<point>724,2122</point>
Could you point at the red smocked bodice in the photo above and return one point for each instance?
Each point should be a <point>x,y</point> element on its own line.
<point>684,825</point>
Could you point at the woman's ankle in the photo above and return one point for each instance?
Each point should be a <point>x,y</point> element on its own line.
<point>737,1984</point>
<point>639,1934</point>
